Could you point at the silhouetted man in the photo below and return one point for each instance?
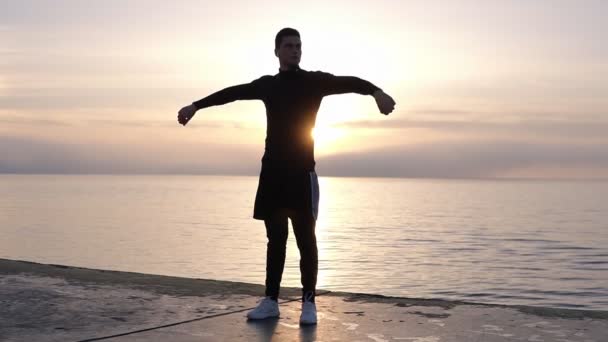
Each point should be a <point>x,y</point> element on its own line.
<point>288,187</point>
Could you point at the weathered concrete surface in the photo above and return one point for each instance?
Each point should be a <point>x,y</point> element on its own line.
<point>57,303</point>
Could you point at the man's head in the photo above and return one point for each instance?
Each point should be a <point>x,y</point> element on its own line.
<point>288,48</point>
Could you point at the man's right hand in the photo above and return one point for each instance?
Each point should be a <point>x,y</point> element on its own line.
<point>185,114</point>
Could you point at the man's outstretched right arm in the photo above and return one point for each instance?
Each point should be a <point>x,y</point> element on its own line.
<point>246,91</point>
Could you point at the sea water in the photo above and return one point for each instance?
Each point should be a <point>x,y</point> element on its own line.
<point>542,243</point>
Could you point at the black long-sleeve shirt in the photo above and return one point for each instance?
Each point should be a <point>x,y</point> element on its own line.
<point>292,99</point>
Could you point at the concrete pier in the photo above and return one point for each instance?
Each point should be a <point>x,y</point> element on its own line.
<point>40,302</point>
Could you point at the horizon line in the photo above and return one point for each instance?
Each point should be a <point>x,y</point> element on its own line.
<point>557,179</point>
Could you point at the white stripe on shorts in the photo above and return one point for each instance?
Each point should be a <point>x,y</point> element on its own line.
<point>314,191</point>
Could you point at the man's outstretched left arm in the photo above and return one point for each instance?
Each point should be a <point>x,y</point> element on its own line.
<point>331,85</point>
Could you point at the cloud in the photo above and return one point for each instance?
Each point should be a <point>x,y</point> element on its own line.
<point>456,159</point>
<point>19,155</point>
<point>19,120</point>
<point>563,128</point>
<point>468,159</point>
<point>68,99</point>
<point>170,122</point>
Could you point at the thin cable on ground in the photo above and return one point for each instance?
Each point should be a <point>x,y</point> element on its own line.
<point>187,321</point>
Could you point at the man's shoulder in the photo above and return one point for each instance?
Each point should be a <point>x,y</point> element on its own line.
<point>304,71</point>
<point>262,81</point>
<point>264,78</point>
<point>308,74</point>
<point>319,74</point>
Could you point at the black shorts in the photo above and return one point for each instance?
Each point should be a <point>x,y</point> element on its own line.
<point>282,188</point>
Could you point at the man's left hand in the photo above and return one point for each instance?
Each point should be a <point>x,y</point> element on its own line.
<point>385,103</point>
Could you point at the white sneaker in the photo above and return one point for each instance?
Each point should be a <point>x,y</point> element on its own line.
<point>309,313</point>
<point>267,308</point>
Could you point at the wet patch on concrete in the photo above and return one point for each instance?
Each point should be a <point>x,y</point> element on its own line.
<point>397,301</point>
<point>174,286</point>
<point>561,313</point>
<point>37,306</point>
<point>447,305</point>
<point>430,315</point>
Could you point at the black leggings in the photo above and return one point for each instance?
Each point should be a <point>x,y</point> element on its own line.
<point>303,224</point>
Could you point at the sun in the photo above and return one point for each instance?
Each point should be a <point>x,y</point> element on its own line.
<point>326,137</point>
<point>331,132</point>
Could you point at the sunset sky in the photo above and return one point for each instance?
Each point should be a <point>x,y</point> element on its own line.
<point>484,89</point>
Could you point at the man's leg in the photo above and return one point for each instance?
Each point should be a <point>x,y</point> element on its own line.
<point>276,232</point>
<point>304,229</point>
